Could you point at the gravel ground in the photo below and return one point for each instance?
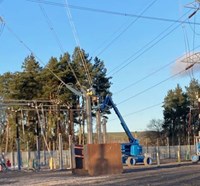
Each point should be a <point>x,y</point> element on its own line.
<point>169,174</point>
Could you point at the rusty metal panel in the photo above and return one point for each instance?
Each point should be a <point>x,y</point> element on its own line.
<point>104,159</point>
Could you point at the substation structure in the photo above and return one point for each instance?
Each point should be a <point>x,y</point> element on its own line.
<point>37,115</point>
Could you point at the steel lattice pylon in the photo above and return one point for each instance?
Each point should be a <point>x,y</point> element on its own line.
<point>191,58</point>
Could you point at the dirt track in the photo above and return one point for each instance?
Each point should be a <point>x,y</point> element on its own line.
<point>166,175</point>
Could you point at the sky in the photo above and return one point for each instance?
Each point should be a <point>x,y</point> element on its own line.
<point>140,43</point>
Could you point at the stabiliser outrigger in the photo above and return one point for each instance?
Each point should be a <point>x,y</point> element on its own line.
<point>132,151</point>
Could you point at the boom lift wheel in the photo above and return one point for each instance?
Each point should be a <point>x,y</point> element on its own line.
<point>131,161</point>
<point>195,158</point>
<point>148,160</point>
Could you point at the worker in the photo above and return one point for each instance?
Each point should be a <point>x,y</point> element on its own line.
<point>2,158</point>
<point>2,162</point>
<point>8,164</point>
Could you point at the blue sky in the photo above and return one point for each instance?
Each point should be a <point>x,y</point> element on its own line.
<point>122,42</point>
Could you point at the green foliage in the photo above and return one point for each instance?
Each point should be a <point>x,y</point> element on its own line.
<point>177,105</point>
<point>193,92</point>
<point>175,112</point>
<point>7,88</point>
<point>43,83</point>
<point>101,82</point>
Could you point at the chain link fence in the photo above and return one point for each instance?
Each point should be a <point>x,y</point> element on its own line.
<point>171,152</point>
<point>51,160</point>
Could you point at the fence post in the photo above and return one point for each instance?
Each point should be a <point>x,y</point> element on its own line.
<point>12,159</point>
<point>54,156</point>
<point>60,151</point>
<point>44,156</point>
<point>71,153</point>
<point>158,153</point>
<point>28,154</point>
<point>147,150</point>
<point>188,152</point>
<point>179,151</point>
<point>168,148</point>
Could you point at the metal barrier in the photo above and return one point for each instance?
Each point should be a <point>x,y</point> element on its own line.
<point>79,156</point>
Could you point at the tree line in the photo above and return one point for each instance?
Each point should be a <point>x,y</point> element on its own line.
<point>37,101</point>
<point>181,112</point>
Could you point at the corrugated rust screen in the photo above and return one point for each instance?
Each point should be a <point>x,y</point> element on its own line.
<point>104,159</point>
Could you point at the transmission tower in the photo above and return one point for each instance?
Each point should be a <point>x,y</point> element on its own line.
<point>194,5</point>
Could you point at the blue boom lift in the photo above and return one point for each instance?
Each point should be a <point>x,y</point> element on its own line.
<point>132,151</point>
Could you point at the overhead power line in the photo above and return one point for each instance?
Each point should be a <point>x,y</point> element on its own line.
<point>112,12</point>
<point>145,77</point>
<point>145,48</point>
<point>151,87</point>
<point>143,109</point>
<point>75,34</point>
<point>194,5</point>
<point>138,111</point>
<point>2,25</point>
<point>126,28</point>
<point>31,51</point>
<point>49,23</point>
<point>153,73</point>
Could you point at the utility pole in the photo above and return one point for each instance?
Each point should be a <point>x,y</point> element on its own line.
<point>189,130</point>
<point>60,140</point>
<point>95,100</point>
<point>89,119</point>
<point>18,141</point>
<point>86,95</point>
<point>98,121</point>
<point>38,143</point>
<point>71,124</point>
<point>104,121</point>
<point>38,134</point>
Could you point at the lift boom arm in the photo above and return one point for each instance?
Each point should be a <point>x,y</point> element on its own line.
<point>108,102</point>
